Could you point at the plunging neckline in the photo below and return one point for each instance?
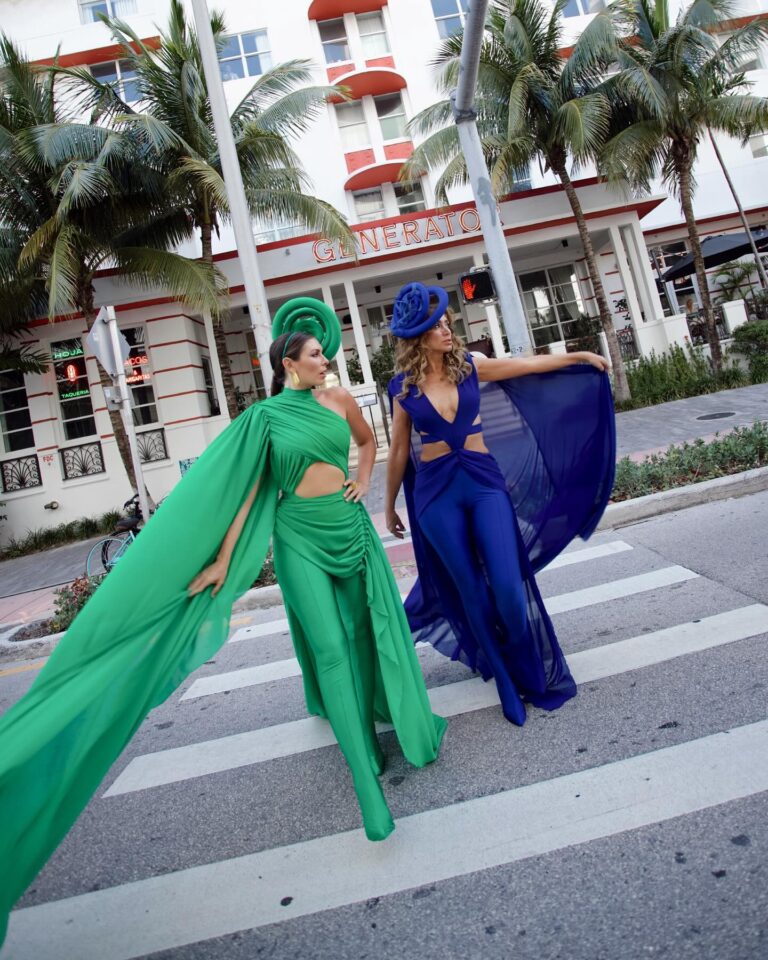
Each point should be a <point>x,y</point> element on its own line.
<point>458,405</point>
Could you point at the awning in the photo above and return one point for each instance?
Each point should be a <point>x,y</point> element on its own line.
<point>330,9</point>
<point>371,82</point>
<point>717,250</point>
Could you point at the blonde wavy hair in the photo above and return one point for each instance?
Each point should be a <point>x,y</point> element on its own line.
<point>411,358</point>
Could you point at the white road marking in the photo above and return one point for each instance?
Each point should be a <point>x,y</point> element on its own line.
<point>196,904</point>
<point>298,736</point>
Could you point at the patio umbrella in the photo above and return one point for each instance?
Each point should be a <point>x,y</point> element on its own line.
<point>717,250</point>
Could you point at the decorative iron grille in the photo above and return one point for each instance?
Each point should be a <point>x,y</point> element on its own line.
<point>21,473</point>
<point>627,343</point>
<point>83,461</point>
<point>152,446</point>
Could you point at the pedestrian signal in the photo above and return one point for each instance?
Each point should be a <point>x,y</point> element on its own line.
<point>477,286</point>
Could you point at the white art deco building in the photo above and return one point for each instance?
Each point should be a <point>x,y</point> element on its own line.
<point>55,435</point>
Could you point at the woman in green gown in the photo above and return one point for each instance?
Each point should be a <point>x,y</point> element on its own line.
<point>278,472</point>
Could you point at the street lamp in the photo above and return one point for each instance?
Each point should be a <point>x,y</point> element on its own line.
<point>465,116</point>
<point>238,205</point>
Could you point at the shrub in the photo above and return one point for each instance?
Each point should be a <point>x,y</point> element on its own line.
<point>676,374</point>
<point>71,532</point>
<point>751,339</point>
<point>70,600</point>
<point>742,449</point>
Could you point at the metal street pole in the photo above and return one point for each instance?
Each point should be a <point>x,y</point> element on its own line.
<point>465,116</point>
<point>124,397</point>
<point>241,218</point>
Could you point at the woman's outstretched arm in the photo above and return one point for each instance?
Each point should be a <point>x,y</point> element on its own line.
<point>507,367</point>
<point>216,573</point>
<point>399,449</point>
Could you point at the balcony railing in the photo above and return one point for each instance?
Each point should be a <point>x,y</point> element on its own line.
<point>21,473</point>
<point>85,460</point>
<point>697,326</point>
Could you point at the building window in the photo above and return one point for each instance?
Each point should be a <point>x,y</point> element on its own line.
<point>758,145</point>
<point>391,116</point>
<point>121,75</point>
<point>409,197</point>
<point>90,9</point>
<point>245,55</point>
<point>259,389</point>
<point>210,386</point>
<point>15,422</point>
<point>450,16</point>
<point>138,376</point>
<point>72,388</point>
<point>553,303</point>
<point>352,126</point>
<point>582,8</point>
<point>269,233</point>
<point>369,205</point>
<point>333,36</point>
<point>373,35</point>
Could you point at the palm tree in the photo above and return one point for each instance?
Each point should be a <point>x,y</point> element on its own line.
<point>77,198</point>
<point>532,104</point>
<point>678,83</point>
<point>22,299</point>
<point>173,119</point>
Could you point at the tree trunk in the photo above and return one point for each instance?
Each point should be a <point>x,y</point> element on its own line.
<point>219,335</point>
<point>745,222</point>
<point>86,307</point>
<point>620,383</point>
<point>682,162</point>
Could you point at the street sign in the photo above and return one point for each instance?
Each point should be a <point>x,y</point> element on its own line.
<point>367,400</point>
<point>99,342</point>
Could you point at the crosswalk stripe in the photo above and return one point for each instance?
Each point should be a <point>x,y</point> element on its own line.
<point>281,884</point>
<point>298,736</point>
<point>597,552</point>
<point>558,604</point>
<point>616,589</point>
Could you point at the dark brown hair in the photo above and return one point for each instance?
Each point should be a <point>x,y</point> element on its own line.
<point>276,356</point>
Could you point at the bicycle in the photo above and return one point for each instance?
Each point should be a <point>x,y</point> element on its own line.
<point>104,554</point>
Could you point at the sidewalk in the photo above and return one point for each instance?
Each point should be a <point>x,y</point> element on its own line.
<point>27,584</point>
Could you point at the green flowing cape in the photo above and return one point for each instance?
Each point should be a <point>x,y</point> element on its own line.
<point>134,642</point>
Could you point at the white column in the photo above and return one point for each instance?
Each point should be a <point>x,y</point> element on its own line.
<point>491,315</point>
<point>341,360</point>
<point>633,304</point>
<point>357,330</point>
<point>641,264</point>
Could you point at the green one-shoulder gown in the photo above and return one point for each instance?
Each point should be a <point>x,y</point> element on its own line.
<point>141,635</point>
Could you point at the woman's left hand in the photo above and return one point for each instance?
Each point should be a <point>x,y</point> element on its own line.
<point>596,360</point>
<point>355,490</point>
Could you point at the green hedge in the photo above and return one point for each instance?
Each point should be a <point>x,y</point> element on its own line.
<point>742,449</point>
<point>47,537</point>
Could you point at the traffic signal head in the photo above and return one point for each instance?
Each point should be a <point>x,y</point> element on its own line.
<point>477,286</point>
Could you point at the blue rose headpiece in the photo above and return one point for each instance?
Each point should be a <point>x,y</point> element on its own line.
<point>411,316</point>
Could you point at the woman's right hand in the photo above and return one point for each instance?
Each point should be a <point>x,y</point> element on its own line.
<point>395,525</point>
<point>213,575</point>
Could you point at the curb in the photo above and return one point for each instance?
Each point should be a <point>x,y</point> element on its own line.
<point>679,498</point>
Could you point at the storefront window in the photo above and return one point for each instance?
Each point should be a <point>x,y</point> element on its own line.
<point>138,376</point>
<point>553,304</point>
<point>259,390</point>
<point>210,386</point>
<point>72,388</point>
<point>684,296</point>
<point>15,422</point>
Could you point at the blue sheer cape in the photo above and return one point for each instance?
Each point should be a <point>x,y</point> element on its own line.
<point>553,437</point>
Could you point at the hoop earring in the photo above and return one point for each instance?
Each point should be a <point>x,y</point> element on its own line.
<point>295,378</point>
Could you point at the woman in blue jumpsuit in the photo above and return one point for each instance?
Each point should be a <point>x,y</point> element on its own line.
<point>499,478</point>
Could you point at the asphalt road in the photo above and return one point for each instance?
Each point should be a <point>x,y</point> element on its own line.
<point>632,823</point>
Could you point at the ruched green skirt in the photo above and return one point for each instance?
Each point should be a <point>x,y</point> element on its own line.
<point>352,640</point>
